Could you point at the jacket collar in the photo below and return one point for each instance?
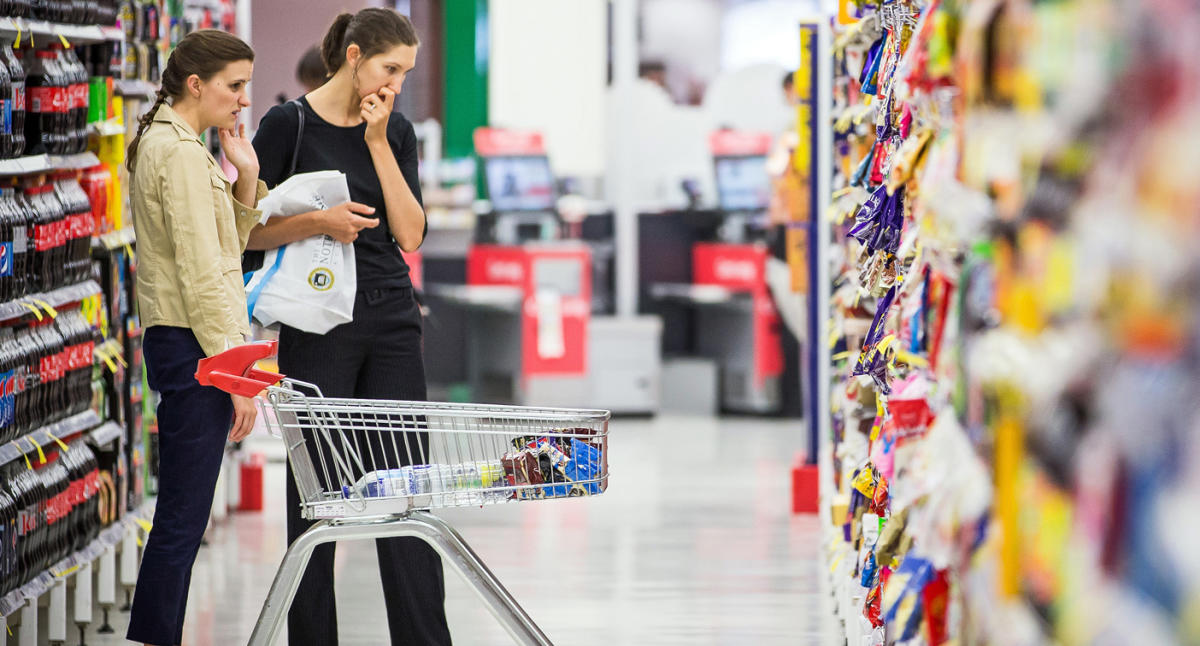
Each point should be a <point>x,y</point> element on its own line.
<point>167,114</point>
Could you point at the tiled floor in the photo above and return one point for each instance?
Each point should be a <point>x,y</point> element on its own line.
<point>693,543</point>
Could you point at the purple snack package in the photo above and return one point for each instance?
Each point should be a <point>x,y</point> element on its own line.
<point>869,218</point>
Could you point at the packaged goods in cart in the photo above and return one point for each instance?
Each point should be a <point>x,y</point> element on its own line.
<point>466,482</point>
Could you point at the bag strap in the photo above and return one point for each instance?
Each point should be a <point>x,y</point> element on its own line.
<point>299,135</point>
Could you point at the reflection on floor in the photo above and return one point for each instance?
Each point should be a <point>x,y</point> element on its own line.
<point>693,543</point>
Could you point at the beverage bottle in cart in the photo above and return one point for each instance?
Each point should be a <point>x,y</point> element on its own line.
<point>16,73</point>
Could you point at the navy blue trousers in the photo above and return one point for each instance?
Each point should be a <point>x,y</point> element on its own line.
<point>378,355</point>
<point>193,424</point>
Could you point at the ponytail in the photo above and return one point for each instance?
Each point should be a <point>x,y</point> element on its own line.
<point>333,51</point>
<point>143,123</point>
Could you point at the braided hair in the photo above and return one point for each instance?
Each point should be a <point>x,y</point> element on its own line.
<point>203,53</point>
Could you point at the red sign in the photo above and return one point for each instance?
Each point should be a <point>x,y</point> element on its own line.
<point>743,268</point>
<point>554,324</point>
<point>738,143</point>
<point>495,142</point>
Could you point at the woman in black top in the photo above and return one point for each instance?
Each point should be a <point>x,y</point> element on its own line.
<point>349,126</point>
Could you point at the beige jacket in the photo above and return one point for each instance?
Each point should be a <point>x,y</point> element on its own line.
<point>190,236</point>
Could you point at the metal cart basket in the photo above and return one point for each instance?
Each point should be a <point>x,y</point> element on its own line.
<point>369,469</point>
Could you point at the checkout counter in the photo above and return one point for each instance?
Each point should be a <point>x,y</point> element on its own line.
<point>704,272</point>
<point>522,320</point>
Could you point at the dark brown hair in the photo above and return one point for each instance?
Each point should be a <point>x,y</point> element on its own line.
<point>374,30</point>
<point>203,53</point>
<point>310,71</point>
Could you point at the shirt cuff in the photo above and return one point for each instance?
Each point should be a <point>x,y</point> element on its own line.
<point>249,212</point>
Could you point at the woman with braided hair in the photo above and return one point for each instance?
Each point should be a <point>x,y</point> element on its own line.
<point>192,225</point>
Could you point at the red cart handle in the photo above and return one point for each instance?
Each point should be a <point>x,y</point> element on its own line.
<point>233,370</point>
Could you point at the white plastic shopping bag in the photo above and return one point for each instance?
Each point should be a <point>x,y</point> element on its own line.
<point>308,284</point>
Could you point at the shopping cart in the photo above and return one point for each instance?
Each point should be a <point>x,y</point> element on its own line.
<point>369,469</point>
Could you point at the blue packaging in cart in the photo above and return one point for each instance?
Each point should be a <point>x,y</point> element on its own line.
<point>583,465</point>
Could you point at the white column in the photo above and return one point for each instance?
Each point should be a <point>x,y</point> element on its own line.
<point>83,594</point>
<point>625,62</point>
<point>129,558</point>
<point>28,635</point>
<point>106,584</point>
<point>56,629</point>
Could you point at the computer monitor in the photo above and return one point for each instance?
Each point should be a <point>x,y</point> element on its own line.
<point>519,183</point>
<point>742,183</point>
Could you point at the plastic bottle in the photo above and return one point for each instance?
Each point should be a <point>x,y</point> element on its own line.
<point>6,539</point>
<point>42,134</point>
<point>17,77</point>
<point>79,99</point>
<point>7,263</point>
<point>23,252</point>
<point>6,113</point>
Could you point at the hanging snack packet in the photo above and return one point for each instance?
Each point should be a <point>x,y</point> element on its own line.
<point>869,217</point>
<point>902,596</point>
<point>935,599</point>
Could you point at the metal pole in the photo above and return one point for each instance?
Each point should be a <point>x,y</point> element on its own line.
<point>624,70</point>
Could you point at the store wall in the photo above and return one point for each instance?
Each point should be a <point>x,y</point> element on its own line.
<point>685,35</point>
<point>279,35</point>
<point>548,72</point>
<point>763,31</point>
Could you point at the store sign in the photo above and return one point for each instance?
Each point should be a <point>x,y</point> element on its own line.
<point>737,143</point>
<point>504,271</point>
<point>495,142</point>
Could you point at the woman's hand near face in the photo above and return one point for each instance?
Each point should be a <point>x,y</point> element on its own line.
<point>376,108</point>
<point>239,151</point>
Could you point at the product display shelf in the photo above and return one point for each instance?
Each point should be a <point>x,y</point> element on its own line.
<point>33,164</point>
<point>33,305</point>
<point>45,32</point>
<point>116,239</point>
<point>27,445</point>
<point>1014,315</point>
<point>108,539</point>
<point>135,88</point>
<point>110,128</point>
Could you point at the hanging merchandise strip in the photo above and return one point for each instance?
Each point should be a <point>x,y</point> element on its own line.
<point>1015,440</point>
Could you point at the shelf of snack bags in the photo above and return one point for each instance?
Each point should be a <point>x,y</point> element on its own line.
<point>1010,439</point>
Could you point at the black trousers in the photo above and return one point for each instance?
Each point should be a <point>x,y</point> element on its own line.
<point>378,355</point>
<point>193,424</point>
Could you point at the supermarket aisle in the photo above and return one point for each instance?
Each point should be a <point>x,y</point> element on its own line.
<point>693,543</point>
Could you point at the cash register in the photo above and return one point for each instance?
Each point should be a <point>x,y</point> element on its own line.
<point>704,272</point>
